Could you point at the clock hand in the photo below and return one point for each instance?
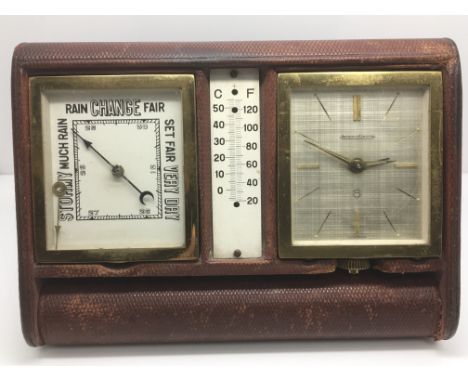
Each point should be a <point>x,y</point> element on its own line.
<point>117,170</point>
<point>325,150</point>
<point>329,152</point>
<point>358,165</point>
<point>355,165</point>
<point>379,162</point>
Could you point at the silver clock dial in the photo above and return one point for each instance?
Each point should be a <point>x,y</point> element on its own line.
<point>360,166</point>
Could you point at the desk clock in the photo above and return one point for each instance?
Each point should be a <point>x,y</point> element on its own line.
<point>171,192</point>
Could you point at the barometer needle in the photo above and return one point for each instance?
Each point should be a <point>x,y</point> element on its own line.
<point>116,169</point>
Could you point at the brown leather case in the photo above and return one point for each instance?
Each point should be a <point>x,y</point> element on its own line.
<point>214,300</point>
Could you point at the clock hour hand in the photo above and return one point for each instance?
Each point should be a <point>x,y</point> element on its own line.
<point>117,170</point>
<point>358,165</point>
<point>378,162</point>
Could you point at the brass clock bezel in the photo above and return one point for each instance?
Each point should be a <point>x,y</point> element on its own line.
<point>288,82</point>
<point>186,84</point>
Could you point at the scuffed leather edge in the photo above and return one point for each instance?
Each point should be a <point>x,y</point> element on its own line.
<point>29,286</point>
<point>450,273</point>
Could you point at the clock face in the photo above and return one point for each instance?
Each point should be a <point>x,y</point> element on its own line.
<point>359,164</point>
<point>114,166</point>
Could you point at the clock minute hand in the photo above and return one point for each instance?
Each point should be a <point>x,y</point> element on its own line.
<point>325,150</point>
<point>117,170</point>
<point>329,152</point>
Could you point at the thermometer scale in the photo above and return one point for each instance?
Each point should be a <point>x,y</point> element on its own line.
<point>235,163</point>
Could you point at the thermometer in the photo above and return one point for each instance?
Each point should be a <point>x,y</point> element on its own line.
<point>235,163</point>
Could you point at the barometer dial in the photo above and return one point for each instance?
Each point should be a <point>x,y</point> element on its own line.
<point>114,161</point>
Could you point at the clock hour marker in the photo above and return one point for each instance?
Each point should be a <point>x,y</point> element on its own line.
<point>308,166</point>
<point>323,107</point>
<point>323,223</point>
<point>405,165</point>
<point>391,224</point>
<point>309,193</point>
<point>415,131</point>
<point>356,108</point>
<point>408,194</point>
<point>391,105</point>
<point>357,222</point>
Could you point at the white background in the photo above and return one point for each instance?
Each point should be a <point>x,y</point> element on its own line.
<point>14,30</point>
<point>321,360</point>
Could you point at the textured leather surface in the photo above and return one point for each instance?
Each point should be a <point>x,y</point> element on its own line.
<point>237,300</point>
<point>327,306</point>
<point>199,53</point>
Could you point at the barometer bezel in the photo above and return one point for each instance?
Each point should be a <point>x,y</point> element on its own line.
<point>186,84</point>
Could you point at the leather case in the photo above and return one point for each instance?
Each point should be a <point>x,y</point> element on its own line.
<point>264,299</point>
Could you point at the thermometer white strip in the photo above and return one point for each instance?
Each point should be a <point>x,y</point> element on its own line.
<point>235,163</point>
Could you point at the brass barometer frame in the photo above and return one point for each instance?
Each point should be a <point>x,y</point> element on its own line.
<point>186,84</point>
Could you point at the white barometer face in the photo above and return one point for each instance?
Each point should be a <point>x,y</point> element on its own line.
<point>114,167</point>
<point>360,164</point>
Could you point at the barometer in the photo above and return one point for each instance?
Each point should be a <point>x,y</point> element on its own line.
<point>114,167</point>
